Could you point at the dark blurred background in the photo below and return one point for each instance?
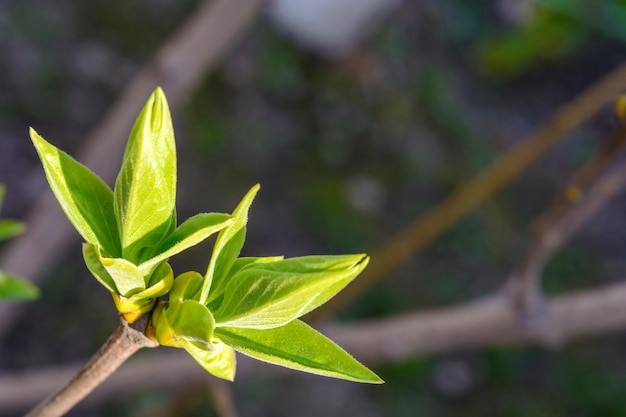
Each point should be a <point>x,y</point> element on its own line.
<point>351,138</point>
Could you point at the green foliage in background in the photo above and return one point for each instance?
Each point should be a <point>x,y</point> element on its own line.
<point>12,287</point>
<point>250,305</point>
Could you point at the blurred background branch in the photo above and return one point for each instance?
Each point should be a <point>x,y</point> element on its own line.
<point>440,218</point>
<point>587,192</point>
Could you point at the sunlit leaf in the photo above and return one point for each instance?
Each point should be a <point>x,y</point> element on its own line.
<point>86,200</point>
<point>239,263</point>
<point>297,346</point>
<point>160,283</point>
<point>219,360</point>
<point>145,189</point>
<point>92,260</point>
<point>267,295</point>
<point>193,322</point>
<point>186,287</point>
<point>227,247</point>
<point>190,233</point>
<point>126,276</point>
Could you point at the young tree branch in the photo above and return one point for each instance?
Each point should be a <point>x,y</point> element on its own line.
<point>126,340</point>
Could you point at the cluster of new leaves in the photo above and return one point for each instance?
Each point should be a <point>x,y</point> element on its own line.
<point>12,287</point>
<point>250,305</point>
<point>130,232</point>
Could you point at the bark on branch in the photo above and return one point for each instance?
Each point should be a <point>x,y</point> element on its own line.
<point>121,345</point>
<point>587,192</point>
<point>477,190</point>
<point>489,322</point>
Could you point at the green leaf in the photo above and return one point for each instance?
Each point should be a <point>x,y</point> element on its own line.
<point>242,262</point>
<point>239,263</point>
<point>92,260</point>
<point>190,233</point>
<point>161,282</point>
<point>145,189</point>
<point>86,200</point>
<point>193,322</point>
<point>297,346</point>
<point>186,287</point>
<point>227,247</point>
<point>219,360</point>
<point>15,288</point>
<point>116,274</point>
<point>10,228</point>
<point>127,277</point>
<point>267,295</point>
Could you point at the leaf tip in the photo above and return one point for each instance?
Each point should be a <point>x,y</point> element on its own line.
<point>34,136</point>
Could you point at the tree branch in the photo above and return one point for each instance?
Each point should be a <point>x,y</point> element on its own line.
<point>429,226</point>
<point>488,322</point>
<point>587,192</point>
<point>126,340</point>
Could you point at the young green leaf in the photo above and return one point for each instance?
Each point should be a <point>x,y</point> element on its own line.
<point>186,287</point>
<point>14,288</point>
<point>145,189</point>
<point>227,247</point>
<point>86,200</point>
<point>193,322</point>
<point>217,293</point>
<point>267,295</point>
<point>219,360</point>
<point>193,231</point>
<point>128,279</point>
<point>297,346</point>
<point>161,281</point>
<point>91,256</point>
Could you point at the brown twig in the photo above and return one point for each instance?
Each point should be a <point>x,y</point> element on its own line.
<point>177,67</point>
<point>590,188</point>
<point>443,216</point>
<point>485,323</point>
<point>126,340</point>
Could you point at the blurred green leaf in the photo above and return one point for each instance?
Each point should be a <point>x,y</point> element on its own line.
<point>15,288</point>
<point>10,228</point>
